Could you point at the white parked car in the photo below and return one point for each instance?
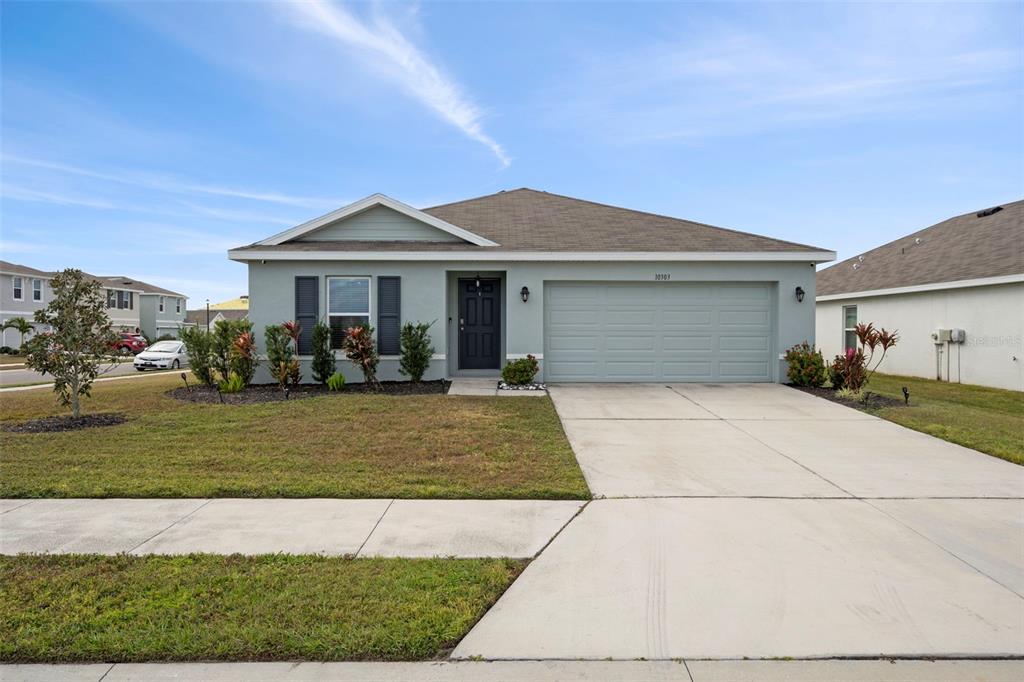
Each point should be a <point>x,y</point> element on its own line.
<point>162,355</point>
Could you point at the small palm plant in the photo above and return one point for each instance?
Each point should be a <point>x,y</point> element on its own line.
<point>20,325</point>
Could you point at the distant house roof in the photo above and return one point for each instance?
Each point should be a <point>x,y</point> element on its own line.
<point>240,303</point>
<point>968,247</point>
<point>530,221</point>
<point>134,284</point>
<point>8,268</point>
<point>198,317</point>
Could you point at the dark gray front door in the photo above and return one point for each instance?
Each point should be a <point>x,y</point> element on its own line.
<point>479,324</point>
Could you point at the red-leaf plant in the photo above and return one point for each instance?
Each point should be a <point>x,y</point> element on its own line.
<point>293,329</point>
<point>359,347</point>
<point>872,339</point>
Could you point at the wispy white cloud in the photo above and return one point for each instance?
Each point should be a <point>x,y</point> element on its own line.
<point>176,186</point>
<point>26,194</point>
<point>381,43</point>
<point>10,246</point>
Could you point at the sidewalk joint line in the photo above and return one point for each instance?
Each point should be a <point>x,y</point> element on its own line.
<point>20,506</point>
<point>367,538</point>
<point>175,523</point>
<point>559,531</point>
<point>107,672</point>
<point>687,666</point>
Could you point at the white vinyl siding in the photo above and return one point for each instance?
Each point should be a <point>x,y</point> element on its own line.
<point>348,305</point>
<point>658,332</point>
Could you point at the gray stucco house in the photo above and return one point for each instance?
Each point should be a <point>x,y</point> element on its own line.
<point>595,292</point>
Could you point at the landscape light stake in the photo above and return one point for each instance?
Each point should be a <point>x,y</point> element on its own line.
<point>287,392</point>
<point>184,377</point>
<point>906,396</point>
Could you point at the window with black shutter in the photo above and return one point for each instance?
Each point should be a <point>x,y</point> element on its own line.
<point>307,309</point>
<point>389,314</point>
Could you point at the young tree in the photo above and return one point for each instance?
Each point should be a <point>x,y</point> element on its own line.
<point>20,325</point>
<point>80,335</point>
<point>416,350</point>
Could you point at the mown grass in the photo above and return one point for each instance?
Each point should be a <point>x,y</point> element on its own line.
<point>348,445</point>
<point>83,608</point>
<point>987,419</point>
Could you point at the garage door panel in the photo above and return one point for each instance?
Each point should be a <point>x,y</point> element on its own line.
<point>743,343</point>
<point>671,331</point>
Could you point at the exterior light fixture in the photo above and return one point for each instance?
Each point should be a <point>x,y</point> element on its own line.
<point>525,294</point>
<point>479,291</point>
<point>799,294</point>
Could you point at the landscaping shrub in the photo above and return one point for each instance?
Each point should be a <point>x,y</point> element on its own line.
<point>244,359</point>
<point>324,364</point>
<point>199,348</point>
<point>336,381</point>
<point>283,364</point>
<point>848,371</point>
<point>806,365</point>
<point>165,337</point>
<point>225,333</point>
<point>416,350</point>
<point>359,347</point>
<point>233,384</point>
<point>873,339</point>
<point>6,350</point>
<point>520,372</point>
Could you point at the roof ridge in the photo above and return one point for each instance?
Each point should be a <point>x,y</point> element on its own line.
<point>631,210</point>
<point>917,232</point>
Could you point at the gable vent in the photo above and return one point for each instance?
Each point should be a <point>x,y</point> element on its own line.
<point>989,211</point>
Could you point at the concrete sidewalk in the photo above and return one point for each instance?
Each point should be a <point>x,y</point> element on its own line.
<point>532,671</point>
<point>365,528</point>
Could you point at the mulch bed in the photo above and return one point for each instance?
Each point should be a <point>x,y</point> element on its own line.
<point>872,401</point>
<point>269,393</point>
<point>66,423</point>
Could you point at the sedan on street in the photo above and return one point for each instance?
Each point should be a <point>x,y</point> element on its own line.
<point>162,355</point>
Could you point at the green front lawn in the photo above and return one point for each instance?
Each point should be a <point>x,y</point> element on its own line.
<point>987,419</point>
<point>346,445</point>
<point>214,608</point>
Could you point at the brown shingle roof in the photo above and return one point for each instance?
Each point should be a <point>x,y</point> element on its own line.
<point>964,247</point>
<point>129,283</point>
<point>16,269</point>
<point>529,220</point>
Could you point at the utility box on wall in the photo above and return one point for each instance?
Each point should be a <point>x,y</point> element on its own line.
<point>957,336</point>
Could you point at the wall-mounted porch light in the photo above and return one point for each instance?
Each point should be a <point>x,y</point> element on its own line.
<point>799,294</point>
<point>524,293</point>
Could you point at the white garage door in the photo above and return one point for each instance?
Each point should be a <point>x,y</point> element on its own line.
<point>657,332</point>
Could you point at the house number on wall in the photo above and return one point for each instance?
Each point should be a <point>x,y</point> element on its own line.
<point>662,276</point>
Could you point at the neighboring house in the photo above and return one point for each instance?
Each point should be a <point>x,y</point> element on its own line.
<point>595,292</point>
<point>199,317</point>
<point>23,290</point>
<point>157,311</point>
<point>964,273</point>
<point>234,309</point>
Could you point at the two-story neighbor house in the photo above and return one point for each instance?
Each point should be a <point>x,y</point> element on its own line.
<point>595,292</point>
<point>131,304</point>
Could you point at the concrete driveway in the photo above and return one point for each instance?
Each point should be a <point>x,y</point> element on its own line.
<point>758,521</point>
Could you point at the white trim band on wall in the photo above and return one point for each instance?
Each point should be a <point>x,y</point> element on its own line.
<point>522,356</point>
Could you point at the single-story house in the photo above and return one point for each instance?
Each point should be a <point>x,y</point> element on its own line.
<point>200,316</point>
<point>955,292</point>
<point>594,292</point>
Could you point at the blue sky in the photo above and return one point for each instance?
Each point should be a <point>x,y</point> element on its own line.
<point>147,138</point>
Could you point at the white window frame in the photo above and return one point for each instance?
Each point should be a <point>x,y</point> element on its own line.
<point>18,285</point>
<point>369,298</point>
<point>161,304</point>
<point>37,287</point>
<point>177,305</point>
<point>849,329</point>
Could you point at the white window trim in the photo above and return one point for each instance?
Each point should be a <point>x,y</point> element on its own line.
<point>21,287</point>
<point>35,281</point>
<point>177,305</point>
<point>369,298</point>
<point>848,329</point>
<point>160,305</point>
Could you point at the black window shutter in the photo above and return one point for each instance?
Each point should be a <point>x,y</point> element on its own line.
<point>307,309</point>
<point>389,313</point>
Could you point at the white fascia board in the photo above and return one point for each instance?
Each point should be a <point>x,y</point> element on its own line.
<point>370,202</point>
<point>541,256</point>
<point>921,288</point>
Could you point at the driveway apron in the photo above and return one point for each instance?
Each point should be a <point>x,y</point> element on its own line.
<point>758,521</point>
